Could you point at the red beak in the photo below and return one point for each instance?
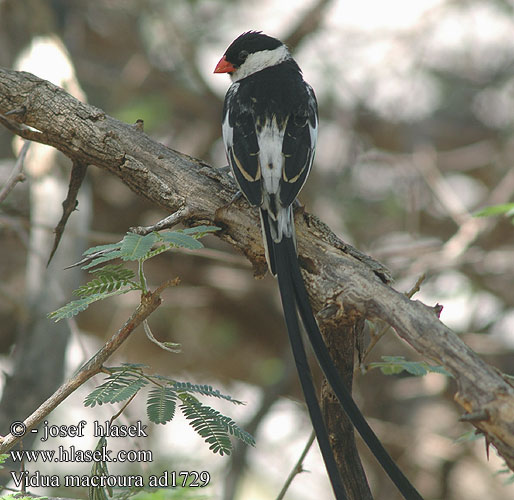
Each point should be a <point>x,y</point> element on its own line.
<point>224,66</point>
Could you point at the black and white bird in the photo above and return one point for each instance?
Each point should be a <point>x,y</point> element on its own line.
<point>270,122</point>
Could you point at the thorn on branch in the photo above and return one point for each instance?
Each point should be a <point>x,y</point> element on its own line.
<point>487,446</point>
<point>438,309</point>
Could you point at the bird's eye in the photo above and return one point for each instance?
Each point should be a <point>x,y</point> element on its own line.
<point>243,55</point>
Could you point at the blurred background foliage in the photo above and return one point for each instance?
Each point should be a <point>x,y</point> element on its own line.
<point>417,114</point>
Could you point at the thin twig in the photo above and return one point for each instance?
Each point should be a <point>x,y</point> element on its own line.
<point>167,346</point>
<point>417,286</point>
<point>166,223</point>
<point>149,302</point>
<point>17,174</point>
<point>117,414</point>
<point>297,469</point>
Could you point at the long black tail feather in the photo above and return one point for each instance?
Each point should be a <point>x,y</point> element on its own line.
<point>286,249</point>
<point>267,240</point>
<point>287,294</point>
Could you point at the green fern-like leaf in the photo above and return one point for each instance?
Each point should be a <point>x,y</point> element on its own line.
<point>236,431</point>
<point>205,390</point>
<point>135,367</point>
<point>126,392</point>
<point>99,396</point>
<point>206,422</point>
<point>115,254</point>
<point>161,404</point>
<point>75,306</point>
<point>135,246</point>
<point>119,386</point>
<point>109,278</point>
<point>103,248</point>
<point>98,286</point>
<point>99,469</point>
<point>115,272</point>
<point>181,240</point>
<point>156,251</point>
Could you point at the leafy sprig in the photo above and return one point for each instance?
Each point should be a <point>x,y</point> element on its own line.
<point>212,425</point>
<point>127,380</point>
<point>99,469</point>
<point>122,384</point>
<point>116,279</point>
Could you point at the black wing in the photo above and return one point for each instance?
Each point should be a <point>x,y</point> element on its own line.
<point>298,148</point>
<point>242,146</point>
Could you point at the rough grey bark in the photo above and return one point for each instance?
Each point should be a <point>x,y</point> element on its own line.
<point>342,283</point>
<point>341,340</point>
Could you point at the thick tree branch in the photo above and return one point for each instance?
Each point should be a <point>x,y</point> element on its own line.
<point>343,284</point>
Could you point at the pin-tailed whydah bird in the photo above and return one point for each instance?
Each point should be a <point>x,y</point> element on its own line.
<point>270,121</point>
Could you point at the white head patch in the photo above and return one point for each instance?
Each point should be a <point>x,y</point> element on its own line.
<point>261,60</point>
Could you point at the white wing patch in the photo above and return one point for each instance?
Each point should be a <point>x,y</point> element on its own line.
<point>270,139</point>
<point>227,133</point>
